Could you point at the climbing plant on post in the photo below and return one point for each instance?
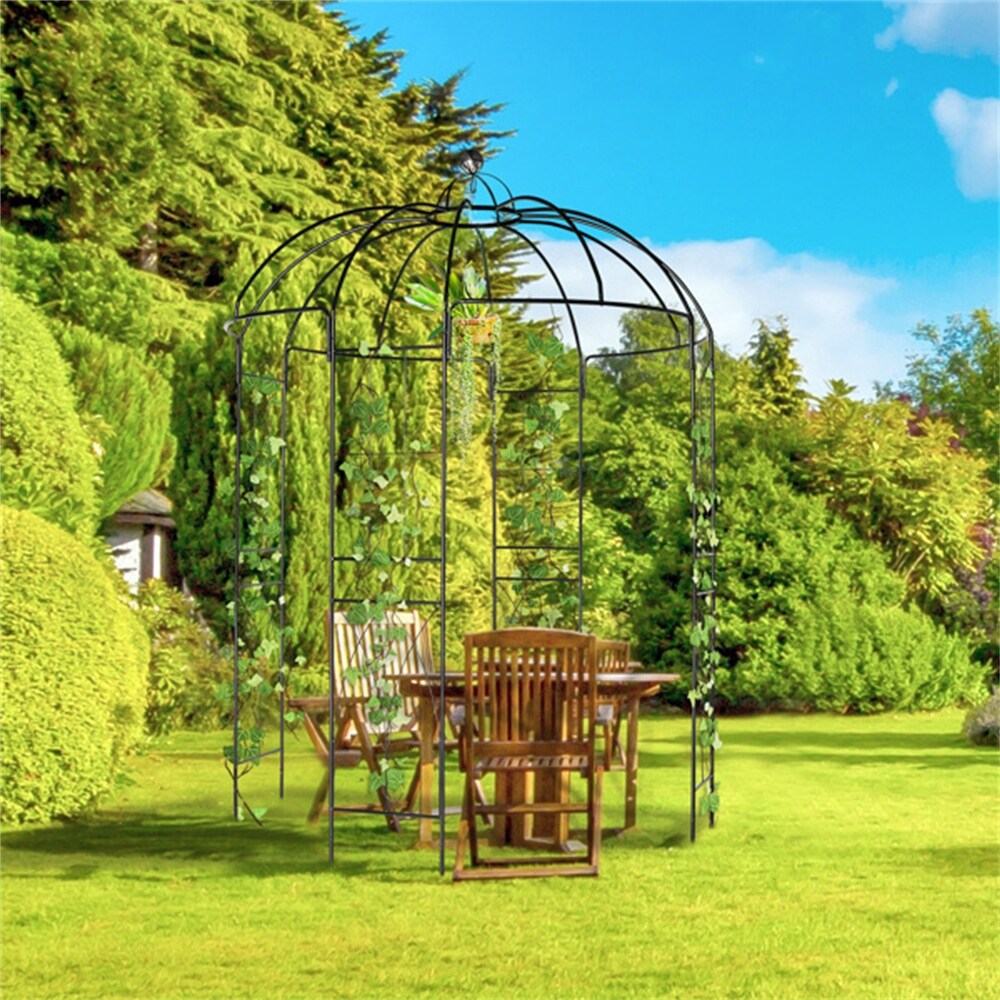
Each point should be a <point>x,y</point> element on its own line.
<point>380,476</point>
<point>705,658</point>
<point>259,630</point>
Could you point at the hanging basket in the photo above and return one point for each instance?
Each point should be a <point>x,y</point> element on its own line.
<point>480,328</point>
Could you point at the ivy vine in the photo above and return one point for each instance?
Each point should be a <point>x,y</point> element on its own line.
<point>259,670</point>
<point>704,500</point>
<point>383,484</point>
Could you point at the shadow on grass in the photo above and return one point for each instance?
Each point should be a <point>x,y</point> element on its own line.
<point>185,846</point>
<point>961,862</point>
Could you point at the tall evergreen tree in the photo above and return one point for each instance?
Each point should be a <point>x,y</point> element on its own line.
<point>774,378</point>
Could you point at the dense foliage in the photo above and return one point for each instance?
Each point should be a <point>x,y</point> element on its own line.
<point>74,676</point>
<point>846,526</point>
<point>47,464</point>
<point>186,664</point>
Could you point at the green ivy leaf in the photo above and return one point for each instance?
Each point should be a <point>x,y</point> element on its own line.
<point>358,615</point>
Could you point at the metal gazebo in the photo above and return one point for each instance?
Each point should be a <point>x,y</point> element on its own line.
<point>327,323</point>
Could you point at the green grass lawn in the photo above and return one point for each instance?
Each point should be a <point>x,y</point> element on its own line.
<point>854,857</point>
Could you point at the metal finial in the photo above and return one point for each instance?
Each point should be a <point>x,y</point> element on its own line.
<point>471,162</point>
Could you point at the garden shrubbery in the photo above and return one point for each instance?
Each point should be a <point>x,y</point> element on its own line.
<point>812,617</point>
<point>982,724</point>
<point>186,666</point>
<point>74,678</point>
<point>847,656</point>
<point>47,464</point>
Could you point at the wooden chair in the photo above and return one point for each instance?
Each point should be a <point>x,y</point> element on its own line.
<point>530,711</point>
<point>614,656</point>
<point>353,647</point>
<point>408,650</point>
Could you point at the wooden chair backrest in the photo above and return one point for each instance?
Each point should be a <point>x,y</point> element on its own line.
<point>614,656</point>
<point>529,686</point>
<point>354,646</point>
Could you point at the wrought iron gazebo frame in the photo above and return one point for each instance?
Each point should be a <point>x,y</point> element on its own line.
<point>336,249</point>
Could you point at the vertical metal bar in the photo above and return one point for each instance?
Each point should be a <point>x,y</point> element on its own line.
<point>443,569</point>
<point>238,527</point>
<point>693,377</point>
<point>493,474</point>
<point>711,457</point>
<point>581,392</point>
<point>331,355</point>
<point>282,551</point>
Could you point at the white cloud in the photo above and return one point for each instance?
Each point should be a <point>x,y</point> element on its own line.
<point>971,128</point>
<point>958,28</point>
<point>827,304</point>
<point>891,87</point>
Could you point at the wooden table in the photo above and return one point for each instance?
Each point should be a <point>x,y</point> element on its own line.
<point>630,688</point>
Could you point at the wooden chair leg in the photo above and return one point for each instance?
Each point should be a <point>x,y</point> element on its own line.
<point>371,759</point>
<point>469,815</point>
<point>318,800</point>
<point>594,823</point>
<point>618,751</point>
<point>463,837</point>
<point>411,793</point>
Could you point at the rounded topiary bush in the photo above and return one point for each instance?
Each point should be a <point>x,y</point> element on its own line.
<point>73,685</point>
<point>47,462</point>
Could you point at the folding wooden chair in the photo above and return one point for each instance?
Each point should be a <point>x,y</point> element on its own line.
<point>407,650</point>
<point>355,646</point>
<point>530,712</point>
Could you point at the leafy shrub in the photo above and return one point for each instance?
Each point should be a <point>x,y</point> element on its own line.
<point>186,665</point>
<point>47,463</point>
<point>982,724</point>
<point>132,403</point>
<point>811,614</point>
<point>845,656</point>
<point>82,282</point>
<point>74,677</point>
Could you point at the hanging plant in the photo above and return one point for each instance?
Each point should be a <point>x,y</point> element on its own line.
<point>473,325</point>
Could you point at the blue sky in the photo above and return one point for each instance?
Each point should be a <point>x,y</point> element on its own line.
<point>836,163</point>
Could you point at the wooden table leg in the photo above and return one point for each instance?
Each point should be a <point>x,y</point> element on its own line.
<point>631,761</point>
<point>426,726</point>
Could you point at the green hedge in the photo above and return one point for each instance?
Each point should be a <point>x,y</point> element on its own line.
<point>131,401</point>
<point>47,462</point>
<point>74,678</point>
